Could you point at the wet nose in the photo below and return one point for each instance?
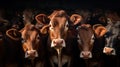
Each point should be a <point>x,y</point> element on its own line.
<point>58,42</point>
<point>86,54</point>
<point>32,54</point>
<point>109,50</point>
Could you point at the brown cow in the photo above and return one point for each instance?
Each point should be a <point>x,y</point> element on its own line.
<point>61,38</point>
<point>86,40</point>
<point>33,46</point>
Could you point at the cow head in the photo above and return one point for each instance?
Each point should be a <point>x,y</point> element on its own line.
<point>112,36</point>
<point>58,27</point>
<point>31,41</point>
<point>85,40</point>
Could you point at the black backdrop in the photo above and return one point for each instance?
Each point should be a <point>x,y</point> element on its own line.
<point>66,4</point>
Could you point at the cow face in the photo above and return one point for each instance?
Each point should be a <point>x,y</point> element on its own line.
<point>58,28</point>
<point>31,41</point>
<point>112,36</point>
<point>85,41</point>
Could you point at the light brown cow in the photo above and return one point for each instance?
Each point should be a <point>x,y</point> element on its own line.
<point>32,45</point>
<point>60,37</point>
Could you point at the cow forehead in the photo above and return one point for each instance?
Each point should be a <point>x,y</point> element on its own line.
<point>85,34</point>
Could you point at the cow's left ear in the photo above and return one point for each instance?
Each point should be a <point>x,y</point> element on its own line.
<point>75,19</point>
<point>99,30</point>
<point>42,18</point>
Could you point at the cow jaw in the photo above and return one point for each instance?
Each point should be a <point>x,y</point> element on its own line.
<point>31,54</point>
<point>109,51</point>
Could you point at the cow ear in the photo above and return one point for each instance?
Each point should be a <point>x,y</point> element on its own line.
<point>99,30</point>
<point>13,34</point>
<point>42,18</point>
<point>75,19</point>
<point>44,29</point>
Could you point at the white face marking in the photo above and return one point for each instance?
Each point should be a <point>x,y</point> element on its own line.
<point>92,39</point>
<point>51,26</point>
<point>79,40</point>
<point>66,26</point>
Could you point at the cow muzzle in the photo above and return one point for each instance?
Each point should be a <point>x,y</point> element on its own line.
<point>31,54</point>
<point>58,43</point>
<point>85,54</point>
<point>109,51</point>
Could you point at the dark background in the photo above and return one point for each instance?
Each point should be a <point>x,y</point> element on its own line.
<point>65,4</point>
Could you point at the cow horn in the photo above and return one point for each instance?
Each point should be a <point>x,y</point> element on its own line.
<point>99,30</point>
<point>13,34</point>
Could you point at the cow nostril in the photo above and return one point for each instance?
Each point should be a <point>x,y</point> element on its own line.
<point>33,53</point>
<point>61,42</point>
<point>27,53</point>
<point>82,53</point>
<point>86,54</point>
<point>54,42</point>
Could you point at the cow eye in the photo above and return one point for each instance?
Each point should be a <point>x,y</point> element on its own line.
<point>23,40</point>
<point>67,25</point>
<point>79,40</point>
<point>92,39</point>
<point>51,28</point>
<point>38,37</point>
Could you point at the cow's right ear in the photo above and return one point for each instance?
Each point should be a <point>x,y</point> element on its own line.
<point>13,34</point>
<point>42,18</point>
<point>44,29</point>
<point>75,19</point>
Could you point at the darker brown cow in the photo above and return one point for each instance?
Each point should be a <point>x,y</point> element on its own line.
<point>33,46</point>
<point>86,41</point>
